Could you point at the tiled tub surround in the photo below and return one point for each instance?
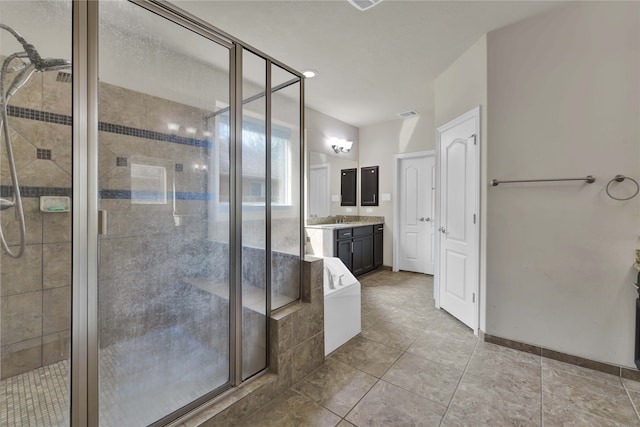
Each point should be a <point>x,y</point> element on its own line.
<point>35,290</point>
<point>296,349</point>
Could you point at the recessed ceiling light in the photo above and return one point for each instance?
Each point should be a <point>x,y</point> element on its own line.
<point>309,73</point>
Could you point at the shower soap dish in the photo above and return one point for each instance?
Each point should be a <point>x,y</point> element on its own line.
<point>55,204</point>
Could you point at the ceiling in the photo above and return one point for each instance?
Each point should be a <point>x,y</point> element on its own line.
<point>371,65</point>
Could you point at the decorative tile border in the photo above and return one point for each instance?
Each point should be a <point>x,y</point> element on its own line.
<point>7,191</point>
<point>567,358</point>
<point>62,119</point>
<point>41,116</point>
<point>180,195</point>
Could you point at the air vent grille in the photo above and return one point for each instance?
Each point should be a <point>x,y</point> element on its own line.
<point>408,114</point>
<point>63,77</point>
<point>364,4</point>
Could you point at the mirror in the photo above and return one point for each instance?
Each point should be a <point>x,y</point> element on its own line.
<point>323,185</point>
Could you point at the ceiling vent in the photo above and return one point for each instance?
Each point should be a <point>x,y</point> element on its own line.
<point>364,4</point>
<point>408,114</point>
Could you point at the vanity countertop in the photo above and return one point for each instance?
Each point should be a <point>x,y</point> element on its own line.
<point>342,225</point>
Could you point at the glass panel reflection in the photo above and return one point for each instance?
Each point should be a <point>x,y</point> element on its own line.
<point>163,170</point>
<point>285,184</point>
<point>254,211</point>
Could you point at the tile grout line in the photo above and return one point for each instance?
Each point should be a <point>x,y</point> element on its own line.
<point>475,347</point>
<point>630,399</point>
<point>378,379</point>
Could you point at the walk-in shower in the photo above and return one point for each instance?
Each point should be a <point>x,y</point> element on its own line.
<point>29,62</point>
<point>178,149</point>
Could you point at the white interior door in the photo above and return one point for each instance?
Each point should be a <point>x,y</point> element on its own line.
<point>415,248</point>
<point>458,228</point>
<point>319,197</point>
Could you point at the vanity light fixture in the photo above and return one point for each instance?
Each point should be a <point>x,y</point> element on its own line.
<point>309,73</point>
<point>173,127</point>
<point>341,145</point>
<point>191,131</point>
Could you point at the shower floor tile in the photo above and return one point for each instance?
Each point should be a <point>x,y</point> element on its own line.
<point>141,380</point>
<point>37,398</point>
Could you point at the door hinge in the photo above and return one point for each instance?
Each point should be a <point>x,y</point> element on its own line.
<point>474,218</point>
<point>473,297</point>
<point>475,141</point>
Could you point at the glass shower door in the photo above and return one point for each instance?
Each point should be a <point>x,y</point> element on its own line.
<point>163,283</point>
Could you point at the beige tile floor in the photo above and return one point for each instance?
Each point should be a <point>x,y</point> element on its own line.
<point>413,365</point>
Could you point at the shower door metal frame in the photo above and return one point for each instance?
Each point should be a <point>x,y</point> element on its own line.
<point>84,391</point>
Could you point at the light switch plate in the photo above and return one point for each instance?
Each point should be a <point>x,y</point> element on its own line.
<point>335,197</point>
<point>385,197</point>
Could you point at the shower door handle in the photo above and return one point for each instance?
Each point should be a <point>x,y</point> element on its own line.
<point>102,222</point>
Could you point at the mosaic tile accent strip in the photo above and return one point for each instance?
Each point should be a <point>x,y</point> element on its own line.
<point>7,191</point>
<point>126,194</point>
<point>43,154</point>
<point>148,134</point>
<point>61,119</point>
<point>42,116</point>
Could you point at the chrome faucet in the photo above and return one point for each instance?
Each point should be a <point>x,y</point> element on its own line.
<point>331,284</point>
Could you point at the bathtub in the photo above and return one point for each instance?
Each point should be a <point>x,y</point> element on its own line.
<point>341,305</point>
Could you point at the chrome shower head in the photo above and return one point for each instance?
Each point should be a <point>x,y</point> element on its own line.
<point>40,64</point>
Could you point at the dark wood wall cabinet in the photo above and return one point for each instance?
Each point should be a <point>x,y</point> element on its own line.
<point>360,248</point>
<point>369,186</point>
<point>348,187</point>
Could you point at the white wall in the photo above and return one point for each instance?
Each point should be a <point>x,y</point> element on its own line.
<point>563,101</point>
<point>379,143</point>
<point>319,128</point>
<point>458,89</point>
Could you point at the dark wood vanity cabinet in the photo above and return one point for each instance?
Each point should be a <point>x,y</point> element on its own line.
<point>343,251</point>
<point>369,186</point>
<point>378,252</point>
<point>359,248</point>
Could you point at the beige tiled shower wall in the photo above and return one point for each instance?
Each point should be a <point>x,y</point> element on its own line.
<point>35,290</point>
<point>146,260</point>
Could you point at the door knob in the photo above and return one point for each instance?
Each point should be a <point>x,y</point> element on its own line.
<point>421,218</point>
<point>443,230</point>
<point>427,219</point>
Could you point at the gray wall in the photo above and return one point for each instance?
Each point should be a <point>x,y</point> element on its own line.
<point>563,100</point>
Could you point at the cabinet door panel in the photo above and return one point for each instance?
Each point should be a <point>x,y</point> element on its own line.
<point>362,255</point>
<point>369,186</point>
<point>343,251</point>
<point>348,187</point>
<point>377,250</point>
